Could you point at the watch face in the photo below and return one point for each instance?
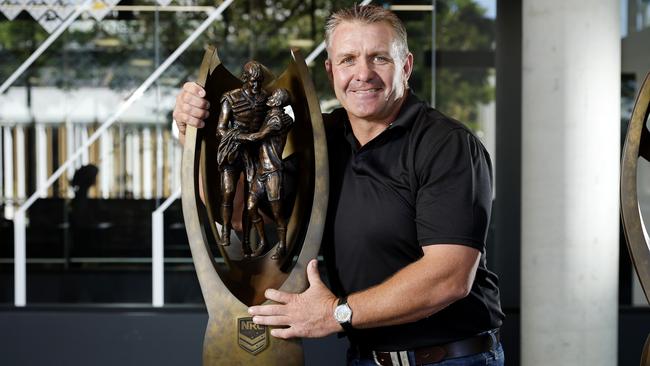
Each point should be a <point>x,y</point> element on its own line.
<point>343,313</point>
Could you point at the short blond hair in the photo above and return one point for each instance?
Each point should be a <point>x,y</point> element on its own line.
<point>369,14</point>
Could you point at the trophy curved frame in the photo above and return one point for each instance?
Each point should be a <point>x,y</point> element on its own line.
<point>229,289</point>
<point>637,145</point>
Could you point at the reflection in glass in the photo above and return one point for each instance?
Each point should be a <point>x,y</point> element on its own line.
<point>79,81</point>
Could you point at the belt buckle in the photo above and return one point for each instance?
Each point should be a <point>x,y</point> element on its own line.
<point>397,358</point>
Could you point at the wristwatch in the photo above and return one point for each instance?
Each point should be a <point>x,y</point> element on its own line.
<point>343,314</point>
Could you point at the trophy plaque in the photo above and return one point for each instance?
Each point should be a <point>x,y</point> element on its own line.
<point>637,146</point>
<point>254,191</point>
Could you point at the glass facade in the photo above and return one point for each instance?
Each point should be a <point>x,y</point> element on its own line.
<point>100,232</point>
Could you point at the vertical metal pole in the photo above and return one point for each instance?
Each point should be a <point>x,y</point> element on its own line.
<point>433,53</point>
<point>157,260</point>
<point>21,158</point>
<point>159,162</point>
<point>631,16</point>
<point>9,172</point>
<point>123,171</point>
<point>2,154</point>
<point>147,157</point>
<point>106,163</point>
<point>69,151</point>
<point>173,169</point>
<point>159,167</point>
<point>41,156</point>
<point>128,161</point>
<point>20,260</point>
<point>178,158</point>
<point>76,137</point>
<point>136,158</point>
<point>19,233</point>
<point>158,250</point>
<point>83,136</point>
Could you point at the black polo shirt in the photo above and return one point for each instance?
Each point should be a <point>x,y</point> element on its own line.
<point>425,180</point>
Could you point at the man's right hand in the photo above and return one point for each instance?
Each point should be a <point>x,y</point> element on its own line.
<point>191,108</point>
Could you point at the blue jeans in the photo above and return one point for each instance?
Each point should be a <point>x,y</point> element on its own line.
<point>490,358</point>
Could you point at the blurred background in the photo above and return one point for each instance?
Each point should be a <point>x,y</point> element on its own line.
<point>86,133</point>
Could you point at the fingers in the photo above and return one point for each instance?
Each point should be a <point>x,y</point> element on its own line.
<point>192,100</point>
<point>266,310</point>
<point>278,296</point>
<point>279,320</point>
<point>283,333</point>
<point>194,88</point>
<point>191,107</point>
<point>313,276</point>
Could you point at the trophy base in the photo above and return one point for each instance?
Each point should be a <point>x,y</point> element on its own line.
<point>236,340</point>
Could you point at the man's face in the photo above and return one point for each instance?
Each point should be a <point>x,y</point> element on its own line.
<point>368,78</point>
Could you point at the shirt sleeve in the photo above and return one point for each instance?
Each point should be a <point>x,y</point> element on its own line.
<point>454,195</point>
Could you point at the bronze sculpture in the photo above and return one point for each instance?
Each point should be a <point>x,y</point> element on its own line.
<point>242,111</point>
<point>229,281</point>
<point>637,145</point>
<point>268,176</point>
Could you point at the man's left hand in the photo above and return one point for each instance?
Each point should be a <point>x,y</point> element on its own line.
<point>308,314</point>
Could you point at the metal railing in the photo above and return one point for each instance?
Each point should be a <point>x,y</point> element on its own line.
<point>20,270</point>
<point>158,250</point>
<point>157,217</point>
<point>53,37</point>
<point>157,221</point>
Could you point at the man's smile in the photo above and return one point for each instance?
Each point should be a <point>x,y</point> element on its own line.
<point>365,91</point>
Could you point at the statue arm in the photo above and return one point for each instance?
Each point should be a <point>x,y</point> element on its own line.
<point>224,115</point>
<point>271,126</point>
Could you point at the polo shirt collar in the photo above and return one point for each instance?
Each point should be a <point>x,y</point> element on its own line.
<point>405,117</point>
<point>408,112</point>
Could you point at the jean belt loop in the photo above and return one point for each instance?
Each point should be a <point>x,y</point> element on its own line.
<point>493,337</point>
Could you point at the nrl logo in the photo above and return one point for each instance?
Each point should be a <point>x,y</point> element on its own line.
<point>251,337</point>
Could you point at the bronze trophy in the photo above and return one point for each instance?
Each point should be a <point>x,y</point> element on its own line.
<point>265,165</point>
<point>637,146</point>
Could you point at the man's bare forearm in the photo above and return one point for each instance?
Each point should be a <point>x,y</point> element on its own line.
<point>444,275</point>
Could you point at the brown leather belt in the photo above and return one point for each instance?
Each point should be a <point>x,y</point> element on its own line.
<point>465,347</point>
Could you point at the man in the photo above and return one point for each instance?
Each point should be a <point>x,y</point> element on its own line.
<point>242,111</point>
<point>272,137</point>
<point>409,209</point>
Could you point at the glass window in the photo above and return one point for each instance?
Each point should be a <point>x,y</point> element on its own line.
<point>91,229</point>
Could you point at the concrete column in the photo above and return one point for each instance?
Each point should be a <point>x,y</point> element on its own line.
<point>570,169</point>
